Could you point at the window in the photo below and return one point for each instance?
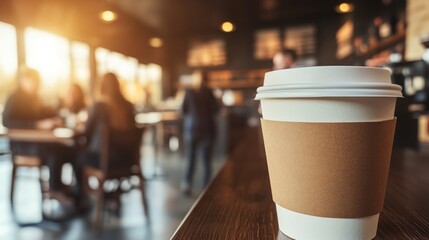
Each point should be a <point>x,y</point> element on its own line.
<point>80,65</point>
<point>125,68</point>
<point>50,55</point>
<point>154,77</point>
<point>8,60</point>
<point>150,85</point>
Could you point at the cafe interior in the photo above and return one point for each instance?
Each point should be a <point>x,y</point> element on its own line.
<point>155,51</point>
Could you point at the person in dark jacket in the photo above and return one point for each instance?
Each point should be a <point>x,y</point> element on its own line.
<point>25,110</point>
<point>199,110</point>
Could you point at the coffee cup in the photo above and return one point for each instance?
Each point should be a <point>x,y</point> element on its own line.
<point>328,135</point>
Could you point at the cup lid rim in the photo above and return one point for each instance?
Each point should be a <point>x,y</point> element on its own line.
<point>330,85</point>
<point>329,73</point>
<point>317,93</point>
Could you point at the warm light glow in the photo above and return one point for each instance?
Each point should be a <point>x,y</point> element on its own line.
<point>8,60</point>
<point>81,74</point>
<point>154,77</point>
<point>227,27</point>
<point>142,74</point>
<point>50,55</point>
<point>154,72</point>
<point>156,42</point>
<point>63,132</point>
<point>133,76</point>
<point>345,8</point>
<point>108,16</point>
<point>8,49</point>
<point>125,68</point>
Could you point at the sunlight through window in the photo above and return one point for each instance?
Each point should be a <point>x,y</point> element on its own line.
<point>80,62</point>
<point>125,68</point>
<point>8,60</point>
<point>50,55</point>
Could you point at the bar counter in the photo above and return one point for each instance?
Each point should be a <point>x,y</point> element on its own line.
<point>238,205</point>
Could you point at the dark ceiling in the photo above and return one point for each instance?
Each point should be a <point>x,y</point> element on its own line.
<point>180,17</point>
<point>174,20</point>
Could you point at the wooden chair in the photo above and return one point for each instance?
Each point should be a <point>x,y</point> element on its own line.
<point>104,174</point>
<point>19,161</point>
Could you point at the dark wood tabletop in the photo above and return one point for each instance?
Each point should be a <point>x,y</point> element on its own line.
<point>238,205</point>
<point>59,135</point>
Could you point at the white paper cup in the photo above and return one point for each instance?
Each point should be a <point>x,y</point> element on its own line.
<point>328,94</point>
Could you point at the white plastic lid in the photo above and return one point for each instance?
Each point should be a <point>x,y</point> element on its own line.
<point>328,81</point>
<point>321,74</point>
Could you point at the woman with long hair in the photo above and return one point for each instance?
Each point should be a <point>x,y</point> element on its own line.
<point>111,112</point>
<point>120,112</point>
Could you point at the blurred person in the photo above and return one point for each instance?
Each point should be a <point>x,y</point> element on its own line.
<point>25,110</point>
<point>113,111</point>
<point>74,100</point>
<point>73,106</point>
<point>284,59</point>
<point>199,110</point>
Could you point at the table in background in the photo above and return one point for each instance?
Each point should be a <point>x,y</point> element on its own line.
<point>60,135</point>
<point>238,205</point>
<point>5,149</point>
<point>156,121</point>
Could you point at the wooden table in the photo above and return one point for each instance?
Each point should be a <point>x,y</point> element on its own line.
<point>155,120</point>
<point>238,205</point>
<point>59,135</point>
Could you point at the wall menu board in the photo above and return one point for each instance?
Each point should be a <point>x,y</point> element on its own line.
<point>418,26</point>
<point>267,43</point>
<point>207,53</point>
<point>302,39</point>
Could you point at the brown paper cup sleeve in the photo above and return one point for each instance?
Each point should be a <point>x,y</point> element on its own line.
<point>329,169</point>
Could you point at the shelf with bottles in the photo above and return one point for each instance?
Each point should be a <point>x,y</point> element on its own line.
<point>381,45</point>
<point>383,32</point>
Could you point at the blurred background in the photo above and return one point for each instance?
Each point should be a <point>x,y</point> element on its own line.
<point>154,46</point>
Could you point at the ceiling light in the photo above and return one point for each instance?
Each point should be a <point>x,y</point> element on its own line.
<point>108,16</point>
<point>344,8</point>
<point>155,42</point>
<point>227,27</point>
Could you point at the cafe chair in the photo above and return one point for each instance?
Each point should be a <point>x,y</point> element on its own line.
<point>21,161</point>
<point>104,174</point>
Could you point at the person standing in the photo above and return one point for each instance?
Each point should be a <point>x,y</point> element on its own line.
<point>199,110</point>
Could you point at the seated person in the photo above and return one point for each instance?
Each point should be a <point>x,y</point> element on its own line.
<point>113,111</point>
<point>73,107</point>
<point>24,109</point>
